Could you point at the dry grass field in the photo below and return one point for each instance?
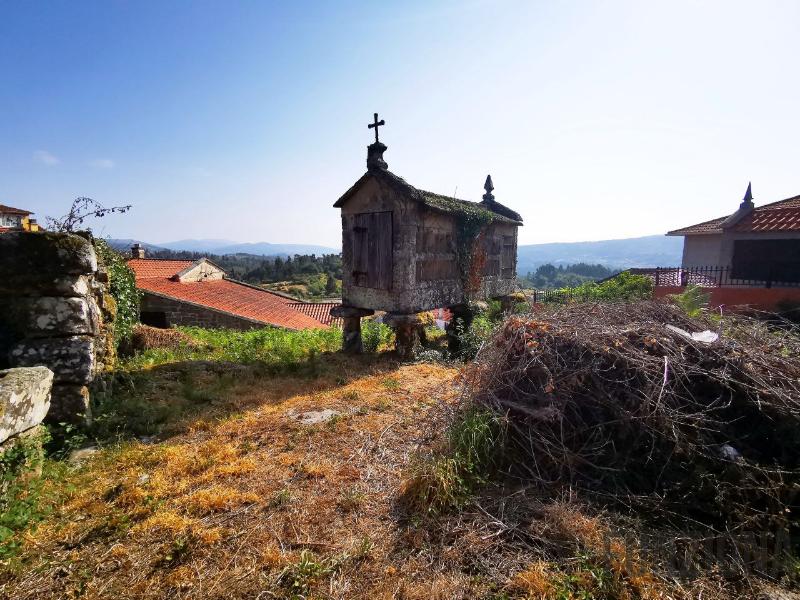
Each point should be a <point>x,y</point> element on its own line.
<point>245,497</point>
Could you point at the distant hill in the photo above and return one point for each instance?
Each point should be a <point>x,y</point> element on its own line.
<point>124,245</point>
<point>266,249</point>
<point>647,251</point>
<point>213,246</point>
<point>203,245</point>
<point>221,247</point>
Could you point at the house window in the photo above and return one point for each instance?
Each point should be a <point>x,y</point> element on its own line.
<point>766,260</point>
<point>372,250</point>
<point>10,221</point>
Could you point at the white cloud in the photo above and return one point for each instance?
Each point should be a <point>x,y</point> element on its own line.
<point>101,163</point>
<point>45,158</point>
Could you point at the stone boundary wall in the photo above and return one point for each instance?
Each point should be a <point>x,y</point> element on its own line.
<point>181,312</point>
<point>55,312</point>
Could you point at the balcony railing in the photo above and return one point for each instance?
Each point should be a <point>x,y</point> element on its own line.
<point>714,277</point>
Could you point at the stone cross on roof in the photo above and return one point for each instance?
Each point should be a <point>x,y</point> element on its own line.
<point>375,125</point>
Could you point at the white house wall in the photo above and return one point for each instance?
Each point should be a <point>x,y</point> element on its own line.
<point>701,250</point>
<point>716,250</point>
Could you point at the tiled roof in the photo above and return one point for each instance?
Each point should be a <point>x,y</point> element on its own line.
<point>226,295</point>
<point>233,298</point>
<point>435,201</point>
<point>146,268</point>
<point>321,311</point>
<point>10,210</point>
<point>783,215</point>
<point>784,218</point>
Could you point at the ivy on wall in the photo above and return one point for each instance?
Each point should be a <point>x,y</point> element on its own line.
<point>122,287</point>
<point>471,224</point>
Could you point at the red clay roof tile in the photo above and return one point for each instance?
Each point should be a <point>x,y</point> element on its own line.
<point>234,298</point>
<point>783,215</point>
<point>156,267</point>
<point>321,311</point>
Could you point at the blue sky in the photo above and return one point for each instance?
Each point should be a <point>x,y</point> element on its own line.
<point>247,120</point>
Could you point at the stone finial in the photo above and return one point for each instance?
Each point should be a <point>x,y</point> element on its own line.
<point>488,186</point>
<point>748,195</point>
<point>137,251</point>
<point>745,208</point>
<point>375,156</point>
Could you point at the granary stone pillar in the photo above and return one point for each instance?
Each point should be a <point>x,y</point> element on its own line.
<point>351,328</point>
<point>406,333</point>
<point>463,314</point>
<point>509,301</point>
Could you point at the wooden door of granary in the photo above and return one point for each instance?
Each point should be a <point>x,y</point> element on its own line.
<point>372,250</point>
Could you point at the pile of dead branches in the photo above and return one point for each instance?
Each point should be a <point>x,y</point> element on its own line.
<point>605,398</point>
<point>145,337</point>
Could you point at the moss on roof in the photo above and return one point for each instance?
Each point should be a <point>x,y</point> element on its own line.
<point>456,206</point>
<point>446,204</point>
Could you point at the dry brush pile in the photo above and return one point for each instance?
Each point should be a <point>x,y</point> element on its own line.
<point>604,398</point>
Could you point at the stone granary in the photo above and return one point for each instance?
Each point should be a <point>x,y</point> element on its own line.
<point>405,251</point>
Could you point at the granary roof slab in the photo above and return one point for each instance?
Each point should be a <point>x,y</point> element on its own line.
<point>438,202</point>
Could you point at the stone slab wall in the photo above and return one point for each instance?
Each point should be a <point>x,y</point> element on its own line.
<point>55,312</point>
<point>178,313</point>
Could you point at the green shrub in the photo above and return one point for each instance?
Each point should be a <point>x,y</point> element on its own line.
<point>472,338</point>
<point>693,300</point>
<point>122,287</point>
<point>375,335</point>
<point>625,287</point>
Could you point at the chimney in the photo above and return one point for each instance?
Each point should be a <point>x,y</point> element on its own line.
<point>137,251</point>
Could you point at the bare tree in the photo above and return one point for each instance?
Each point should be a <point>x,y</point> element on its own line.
<point>82,208</point>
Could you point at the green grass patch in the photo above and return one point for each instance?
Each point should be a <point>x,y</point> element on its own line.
<point>447,479</point>
<point>269,346</point>
<point>24,500</point>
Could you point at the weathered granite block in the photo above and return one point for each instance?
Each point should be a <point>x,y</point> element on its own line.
<point>69,403</point>
<point>24,399</point>
<point>27,259</point>
<point>47,316</point>
<point>72,358</point>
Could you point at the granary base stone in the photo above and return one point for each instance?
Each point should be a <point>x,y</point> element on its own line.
<point>24,399</point>
<point>351,327</point>
<point>406,333</point>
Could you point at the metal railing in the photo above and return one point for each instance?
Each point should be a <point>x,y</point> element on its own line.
<point>715,277</point>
